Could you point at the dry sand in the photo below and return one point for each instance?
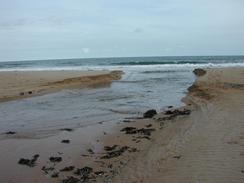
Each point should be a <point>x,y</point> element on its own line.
<point>206,146</point>
<point>22,84</point>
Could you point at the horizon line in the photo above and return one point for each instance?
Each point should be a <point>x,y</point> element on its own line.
<point>110,57</point>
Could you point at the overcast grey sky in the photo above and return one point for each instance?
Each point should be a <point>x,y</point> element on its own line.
<point>46,29</point>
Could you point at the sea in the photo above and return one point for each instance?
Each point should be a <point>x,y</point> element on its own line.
<point>147,83</point>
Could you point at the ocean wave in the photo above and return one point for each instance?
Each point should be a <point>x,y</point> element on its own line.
<point>157,62</point>
<point>158,67</point>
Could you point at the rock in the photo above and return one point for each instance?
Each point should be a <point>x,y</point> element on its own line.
<point>146,131</point>
<point>65,141</point>
<point>67,129</point>
<point>71,180</point>
<point>47,169</point>
<point>30,92</point>
<point>131,150</point>
<point>55,159</point>
<point>10,133</point>
<point>21,93</point>
<point>199,72</point>
<point>133,130</point>
<point>55,175</point>
<point>99,173</point>
<point>110,148</point>
<point>149,125</point>
<point>129,130</point>
<point>90,151</point>
<point>67,169</point>
<point>29,162</point>
<point>177,112</point>
<point>177,157</point>
<point>84,172</point>
<point>115,153</point>
<point>126,121</point>
<point>150,113</point>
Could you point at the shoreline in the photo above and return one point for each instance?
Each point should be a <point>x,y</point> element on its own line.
<point>23,84</point>
<point>175,146</point>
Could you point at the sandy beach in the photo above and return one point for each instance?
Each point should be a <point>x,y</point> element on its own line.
<point>23,84</point>
<point>200,142</point>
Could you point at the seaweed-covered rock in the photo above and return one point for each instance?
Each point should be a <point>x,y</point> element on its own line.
<point>129,130</point>
<point>67,129</point>
<point>150,113</point>
<point>178,112</point>
<point>55,159</point>
<point>110,148</point>
<point>133,130</point>
<point>29,162</point>
<point>67,169</point>
<point>115,153</point>
<point>10,133</point>
<point>65,141</point>
<point>71,180</point>
<point>199,72</point>
<point>84,173</point>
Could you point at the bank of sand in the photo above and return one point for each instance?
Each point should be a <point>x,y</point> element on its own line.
<point>22,84</point>
<point>206,145</point>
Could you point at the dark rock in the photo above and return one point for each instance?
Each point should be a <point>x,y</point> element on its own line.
<point>115,153</point>
<point>71,180</point>
<point>84,172</point>
<point>126,121</point>
<point>177,112</point>
<point>110,148</point>
<point>144,137</point>
<point>173,113</point>
<point>55,159</point>
<point>150,113</point>
<point>10,133</point>
<point>129,130</point>
<point>67,129</point>
<point>131,150</point>
<point>146,131</point>
<point>47,169</point>
<point>65,141</point>
<point>55,175</point>
<point>177,157</point>
<point>21,93</point>
<point>29,162</point>
<point>67,169</point>
<point>149,125</point>
<point>133,130</point>
<point>90,151</point>
<point>199,72</point>
<point>99,173</point>
<point>30,92</point>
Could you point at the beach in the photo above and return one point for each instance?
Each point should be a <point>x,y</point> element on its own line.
<point>23,84</point>
<point>202,141</point>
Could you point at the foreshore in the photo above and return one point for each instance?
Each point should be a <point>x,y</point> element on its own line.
<point>23,84</point>
<point>200,142</point>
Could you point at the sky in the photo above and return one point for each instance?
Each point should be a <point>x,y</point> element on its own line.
<point>56,29</point>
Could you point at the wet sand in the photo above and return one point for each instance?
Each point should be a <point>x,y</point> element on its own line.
<point>200,142</point>
<point>23,84</point>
